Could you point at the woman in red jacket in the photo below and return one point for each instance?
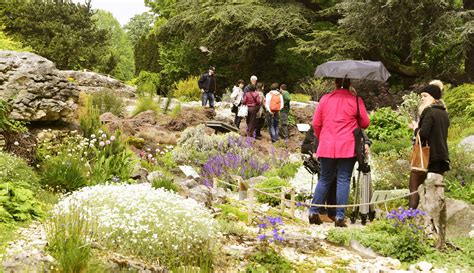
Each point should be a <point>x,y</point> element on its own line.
<point>334,122</point>
<point>253,102</point>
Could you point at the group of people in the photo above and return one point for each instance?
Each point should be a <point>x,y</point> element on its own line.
<point>272,106</point>
<point>336,117</point>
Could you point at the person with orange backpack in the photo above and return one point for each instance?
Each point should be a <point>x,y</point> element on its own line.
<point>273,104</point>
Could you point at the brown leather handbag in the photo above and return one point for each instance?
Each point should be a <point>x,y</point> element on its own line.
<point>420,156</point>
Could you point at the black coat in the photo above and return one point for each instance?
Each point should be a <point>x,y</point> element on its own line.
<point>208,83</point>
<point>433,127</point>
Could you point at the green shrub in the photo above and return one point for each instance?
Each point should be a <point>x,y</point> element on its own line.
<point>271,185</point>
<point>316,88</point>
<point>268,260</point>
<point>460,179</point>
<point>16,171</point>
<point>69,240</point>
<point>17,203</point>
<point>300,97</point>
<point>339,236</point>
<point>176,112</point>
<point>188,89</point>
<point>146,103</point>
<point>391,170</point>
<point>233,213</point>
<point>151,224</point>
<point>147,83</point>
<point>166,183</point>
<point>107,100</point>
<point>89,115</point>
<point>388,126</point>
<point>230,227</point>
<point>287,171</point>
<point>64,172</point>
<point>6,123</point>
<point>459,102</point>
<point>6,43</point>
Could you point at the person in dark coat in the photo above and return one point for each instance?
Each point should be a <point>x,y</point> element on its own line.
<point>208,86</point>
<point>433,128</point>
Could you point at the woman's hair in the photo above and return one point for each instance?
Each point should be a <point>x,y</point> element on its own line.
<point>260,86</point>
<point>240,82</point>
<point>283,87</point>
<point>344,83</point>
<point>252,88</point>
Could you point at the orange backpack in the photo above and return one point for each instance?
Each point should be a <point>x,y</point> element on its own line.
<point>275,103</point>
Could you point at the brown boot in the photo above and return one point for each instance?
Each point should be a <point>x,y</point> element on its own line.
<point>314,219</point>
<point>340,223</point>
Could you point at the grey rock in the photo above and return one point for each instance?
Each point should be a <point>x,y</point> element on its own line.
<point>140,175</point>
<point>460,218</point>
<point>255,180</point>
<point>201,193</point>
<point>467,143</point>
<point>91,82</point>
<point>32,96</point>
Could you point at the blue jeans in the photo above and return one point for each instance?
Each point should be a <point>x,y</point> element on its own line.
<point>208,96</point>
<point>330,166</point>
<point>273,126</point>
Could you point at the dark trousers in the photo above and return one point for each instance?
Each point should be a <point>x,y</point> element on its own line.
<point>284,124</point>
<point>331,199</point>
<point>260,124</point>
<point>252,121</point>
<point>416,179</point>
<point>237,121</point>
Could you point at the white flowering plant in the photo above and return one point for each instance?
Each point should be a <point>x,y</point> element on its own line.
<point>70,161</point>
<point>145,222</point>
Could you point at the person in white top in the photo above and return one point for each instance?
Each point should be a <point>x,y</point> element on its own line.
<point>273,104</point>
<point>237,96</point>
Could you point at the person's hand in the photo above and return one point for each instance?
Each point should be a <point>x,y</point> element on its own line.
<point>366,146</point>
<point>315,157</point>
<point>202,90</point>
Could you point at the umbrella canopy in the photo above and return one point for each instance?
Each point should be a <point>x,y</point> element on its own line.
<point>363,70</point>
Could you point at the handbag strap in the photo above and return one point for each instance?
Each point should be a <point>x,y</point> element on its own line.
<point>358,111</point>
<point>418,139</point>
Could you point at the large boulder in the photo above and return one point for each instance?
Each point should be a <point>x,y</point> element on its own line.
<point>460,218</point>
<point>35,89</point>
<point>91,82</point>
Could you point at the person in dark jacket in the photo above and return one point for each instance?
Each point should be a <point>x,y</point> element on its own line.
<point>208,86</point>
<point>253,81</point>
<point>432,128</point>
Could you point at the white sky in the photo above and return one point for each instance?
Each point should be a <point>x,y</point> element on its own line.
<point>122,10</point>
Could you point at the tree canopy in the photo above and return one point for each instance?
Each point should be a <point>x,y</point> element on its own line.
<point>61,31</point>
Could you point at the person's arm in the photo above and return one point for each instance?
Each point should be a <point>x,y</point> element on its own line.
<point>235,92</point>
<point>317,120</point>
<point>201,82</point>
<point>364,120</point>
<point>268,98</point>
<point>425,126</point>
<point>282,104</point>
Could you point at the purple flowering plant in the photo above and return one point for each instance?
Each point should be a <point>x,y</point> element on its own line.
<point>270,230</point>
<point>407,221</point>
<point>234,162</point>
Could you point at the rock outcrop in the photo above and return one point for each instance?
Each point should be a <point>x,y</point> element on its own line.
<point>91,82</point>
<point>35,89</point>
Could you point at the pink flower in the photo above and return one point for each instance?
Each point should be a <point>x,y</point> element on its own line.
<point>101,144</point>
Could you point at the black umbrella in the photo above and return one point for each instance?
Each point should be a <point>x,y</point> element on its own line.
<point>363,70</point>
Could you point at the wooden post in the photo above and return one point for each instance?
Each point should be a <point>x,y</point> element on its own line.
<point>243,187</point>
<point>250,196</point>
<point>282,198</point>
<point>292,203</point>
<point>214,182</point>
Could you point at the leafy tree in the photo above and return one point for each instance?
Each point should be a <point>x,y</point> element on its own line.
<point>6,43</point>
<point>242,38</point>
<point>139,26</point>
<point>426,38</point>
<point>147,54</point>
<point>117,58</point>
<point>61,31</point>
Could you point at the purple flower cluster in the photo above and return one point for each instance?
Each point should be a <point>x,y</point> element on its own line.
<point>273,223</point>
<point>406,219</point>
<point>231,163</point>
<point>404,214</point>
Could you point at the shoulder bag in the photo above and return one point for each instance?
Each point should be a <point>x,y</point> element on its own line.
<point>420,156</point>
<point>360,144</point>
